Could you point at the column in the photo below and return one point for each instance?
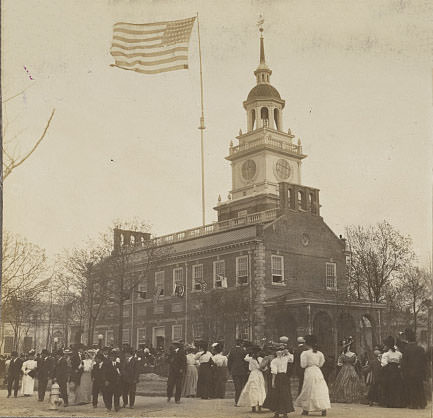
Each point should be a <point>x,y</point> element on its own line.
<point>259,292</point>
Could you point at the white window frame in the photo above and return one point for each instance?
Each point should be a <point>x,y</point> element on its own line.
<point>197,286</point>
<point>160,277</point>
<point>176,326</point>
<point>332,277</point>
<point>178,271</point>
<point>215,280</point>
<point>126,331</point>
<point>197,330</point>
<point>273,270</point>
<point>238,276</point>
<point>137,343</point>
<point>142,287</point>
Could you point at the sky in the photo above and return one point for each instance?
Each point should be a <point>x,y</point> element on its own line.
<point>356,77</point>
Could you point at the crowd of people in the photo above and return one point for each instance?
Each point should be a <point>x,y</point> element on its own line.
<point>392,376</point>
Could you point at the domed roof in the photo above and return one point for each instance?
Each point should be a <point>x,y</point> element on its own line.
<point>263,91</point>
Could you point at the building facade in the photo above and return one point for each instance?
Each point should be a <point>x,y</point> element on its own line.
<point>269,266</point>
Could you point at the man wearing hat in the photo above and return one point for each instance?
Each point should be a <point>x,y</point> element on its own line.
<point>299,371</point>
<point>14,373</point>
<point>61,374</point>
<point>176,370</point>
<point>112,381</point>
<point>97,375</point>
<point>130,375</point>
<point>44,371</point>
<point>238,368</point>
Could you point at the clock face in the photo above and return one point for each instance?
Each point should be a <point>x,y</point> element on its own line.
<point>282,168</point>
<point>248,169</point>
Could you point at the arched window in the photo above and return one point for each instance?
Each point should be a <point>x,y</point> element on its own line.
<point>301,200</point>
<point>277,119</point>
<point>264,114</point>
<point>253,119</point>
<point>132,240</point>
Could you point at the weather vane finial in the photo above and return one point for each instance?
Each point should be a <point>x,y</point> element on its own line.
<point>260,22</point>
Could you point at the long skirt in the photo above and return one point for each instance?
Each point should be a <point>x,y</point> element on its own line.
<point>204,382</point>
<point>415,393</point>
<point>347,387</point>
<point>84,390</point>
<point>279,398</point>
<point>253,393</point>
<point>392,387</point>
<point>28,385</point>
<point>220,379</point>
<point>315,394</point>
<point>189,387</point>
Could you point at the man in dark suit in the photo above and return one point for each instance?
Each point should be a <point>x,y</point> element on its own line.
<point>44,372</point>
<point>176,370</point>
<point>61,374</point>
<point>98,383</point>
<point>299,371</point>
<point>130,370</point>
<point>112,381</point>
<point>14,374</point>
<point>238,368</point>
<point>413,366</point>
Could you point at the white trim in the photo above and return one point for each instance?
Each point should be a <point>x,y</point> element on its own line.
<point>334,265</point>
<point>160,274</point>
<point>281,258</point>
<point>193,277</point>
<point>176,269</point>
<point>172,331</point>
<point>237,270</point>
<point>137,342</point>
<point>154,336</point>
<point>215,263</point>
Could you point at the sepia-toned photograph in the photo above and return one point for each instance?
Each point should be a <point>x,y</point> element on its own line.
<point>216,209</point>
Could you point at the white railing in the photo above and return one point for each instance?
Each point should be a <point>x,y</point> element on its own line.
<point>273,143</point>
<point>253,218</point>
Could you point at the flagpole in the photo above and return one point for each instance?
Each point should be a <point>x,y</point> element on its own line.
<point>201,127</point>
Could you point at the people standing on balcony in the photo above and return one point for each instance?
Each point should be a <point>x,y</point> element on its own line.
<point>219,371</point>
<point>14,373</point>
<point>204,383</point>
<point>254,393</point>
<point>29,372</point>
<point>176,371</point>
<point>238,368</point>
<point>347,387</point>
<point>189,388</point>
<point>315,394</point>
<point>414,367</point>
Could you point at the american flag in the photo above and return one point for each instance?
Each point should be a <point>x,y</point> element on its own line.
<point>152,48</point>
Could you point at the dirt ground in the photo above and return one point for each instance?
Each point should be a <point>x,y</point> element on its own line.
<point>158,407</point>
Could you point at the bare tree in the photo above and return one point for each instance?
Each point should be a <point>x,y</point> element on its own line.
<point>23,266</point>
<point>378,255</point>
<point>415,292</point>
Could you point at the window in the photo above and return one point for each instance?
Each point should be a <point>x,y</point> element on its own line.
<point>141,336</point>
<point>243,331</point>
<point>219,270</point>
<point>160,283</point>
<point>242,270</point>
<point>125,336</point>
<point>158,309</point>
<point>331,276</point>
<point>242,213</point>
<point>177,278</point>
<point>197,330</point>
<point>8,344</point>
<point>176,332</point>
<point>197,277</point>
<point>277,269</point>
<point>142,290</point>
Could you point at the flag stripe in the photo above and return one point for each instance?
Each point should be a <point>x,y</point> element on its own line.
<point>115,52</point>
<point>153,62</point>
<point>152,48</point>
<point>156,71</point>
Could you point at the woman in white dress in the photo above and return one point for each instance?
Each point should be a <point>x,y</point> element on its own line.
<point>29,371</point>
<point>254,393</point>
<point>189,388</point>
<point>315,394</point>
<point>84,389</point>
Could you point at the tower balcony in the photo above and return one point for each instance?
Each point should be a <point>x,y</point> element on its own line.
<point>266,142</point>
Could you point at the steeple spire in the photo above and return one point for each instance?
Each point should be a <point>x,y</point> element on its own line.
<point>263,72</point>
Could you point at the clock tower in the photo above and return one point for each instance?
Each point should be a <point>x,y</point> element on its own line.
<point>265,154</point>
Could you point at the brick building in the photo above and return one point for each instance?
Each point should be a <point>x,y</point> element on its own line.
<point>269,266</point>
